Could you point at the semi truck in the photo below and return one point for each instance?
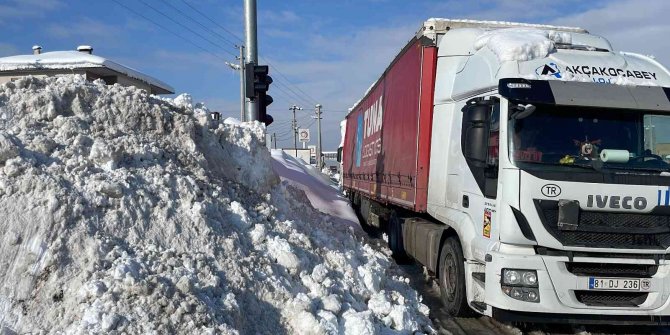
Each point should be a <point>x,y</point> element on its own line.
<point>525,167</point>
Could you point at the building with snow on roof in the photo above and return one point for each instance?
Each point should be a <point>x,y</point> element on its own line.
<point>82,61</point>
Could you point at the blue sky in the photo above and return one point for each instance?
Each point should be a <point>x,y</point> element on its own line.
<point>326,51</point>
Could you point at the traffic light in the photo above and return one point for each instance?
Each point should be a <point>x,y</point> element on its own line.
<point>257,84</point>
<point>263,101</point>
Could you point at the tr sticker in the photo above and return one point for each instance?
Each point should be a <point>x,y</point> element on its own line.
<point>551,190</point>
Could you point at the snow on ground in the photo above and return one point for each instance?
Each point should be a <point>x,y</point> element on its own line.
<point>321,191</point>
<point>126,213</point>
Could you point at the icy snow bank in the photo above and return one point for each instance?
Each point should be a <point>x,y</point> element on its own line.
<point>322,193</point>
<point>123,212</point>
<point>521,44</point>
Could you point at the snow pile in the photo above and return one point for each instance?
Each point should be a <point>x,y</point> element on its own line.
<point>322,193</point>
<point>127,213</point>
<point>521,44</point>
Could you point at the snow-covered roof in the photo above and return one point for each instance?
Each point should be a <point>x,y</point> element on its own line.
<point>74,60</point>
<point>508,40</point>
<point>436,23</point>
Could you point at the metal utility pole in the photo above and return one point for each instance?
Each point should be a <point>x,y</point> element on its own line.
<point>295,129</point>
<point>251,42</point>
<point>239,68</point>
<point>242,93</point>
<point>319,161</point>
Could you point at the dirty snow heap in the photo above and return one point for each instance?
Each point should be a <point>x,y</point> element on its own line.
<point>123,212</point>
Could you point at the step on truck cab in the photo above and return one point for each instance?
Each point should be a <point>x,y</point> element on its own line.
<point>526,166</point>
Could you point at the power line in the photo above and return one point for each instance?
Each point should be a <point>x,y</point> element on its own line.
<point>286,94</point>
<point>285,136</point>
<point>211,20</point>
<point>189,29</point>
<point>304,97</point>
<point>284,127</point>
<point>278,84</point>
<point>313,101</point>
<point>198,23</point>
<point>281,125</point>
<point>168,30</point>
<point>311,124</point>
<point>289,95</point>
<point>284,130</point>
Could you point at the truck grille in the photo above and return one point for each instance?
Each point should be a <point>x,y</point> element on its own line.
<point>612,270</point>
<point>608,230</point>
<point>611,299</point>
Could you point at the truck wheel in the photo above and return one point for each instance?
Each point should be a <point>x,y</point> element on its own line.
<point>452,279</point>
<point>395,237</point>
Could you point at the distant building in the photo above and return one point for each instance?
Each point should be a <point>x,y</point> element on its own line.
<point>82,62</point>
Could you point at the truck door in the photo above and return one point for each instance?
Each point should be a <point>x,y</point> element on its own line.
<point>480,140</point>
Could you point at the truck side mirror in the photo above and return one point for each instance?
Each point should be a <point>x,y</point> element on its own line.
<point>475,135</point>
<point>339,155</point>
<point>476,138</point>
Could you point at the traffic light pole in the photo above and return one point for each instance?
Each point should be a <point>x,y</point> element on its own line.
<point>251,43</point>
<point>242,75</point>
<point>319,160</point>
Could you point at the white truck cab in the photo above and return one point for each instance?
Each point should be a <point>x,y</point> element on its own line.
<point>549,166</point>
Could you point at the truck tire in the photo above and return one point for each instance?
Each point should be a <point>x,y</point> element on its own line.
<point>452,279</point>
<point>395,237</point>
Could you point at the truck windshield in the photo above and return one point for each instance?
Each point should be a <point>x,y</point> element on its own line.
<point>569,136</point>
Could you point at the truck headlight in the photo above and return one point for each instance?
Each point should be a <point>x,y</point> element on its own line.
<point>511,277</point>
<point>515,277</point>
<point>521,284</point>
<point>529,278</point>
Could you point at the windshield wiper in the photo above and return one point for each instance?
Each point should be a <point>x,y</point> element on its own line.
<point>634,168</point>
<point>592,164</point>
<point>578,165</point>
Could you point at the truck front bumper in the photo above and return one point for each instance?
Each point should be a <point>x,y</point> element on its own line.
<point>565,295</point>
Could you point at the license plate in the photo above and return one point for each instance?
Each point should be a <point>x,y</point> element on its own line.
<point>614,284</point>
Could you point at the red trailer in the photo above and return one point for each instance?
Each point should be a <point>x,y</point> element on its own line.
<point>387,142</point>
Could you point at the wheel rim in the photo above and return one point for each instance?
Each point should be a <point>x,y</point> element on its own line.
<point>449,277</point>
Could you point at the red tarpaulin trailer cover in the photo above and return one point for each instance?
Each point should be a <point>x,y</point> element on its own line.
<point>387,141</point>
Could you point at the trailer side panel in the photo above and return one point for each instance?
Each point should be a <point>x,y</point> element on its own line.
<point>387,141</point>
